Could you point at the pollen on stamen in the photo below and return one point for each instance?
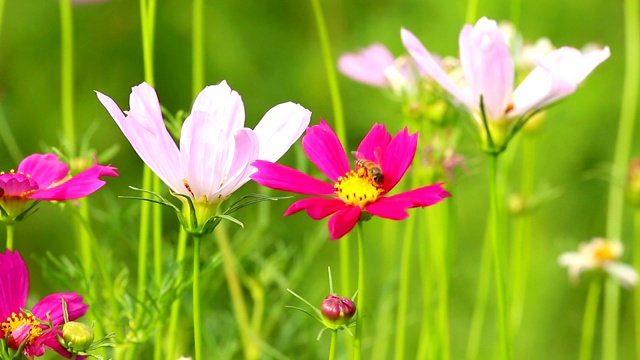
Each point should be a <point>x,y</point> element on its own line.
<point>357,189</point>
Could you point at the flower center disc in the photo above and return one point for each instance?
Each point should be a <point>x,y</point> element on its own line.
<point>357,189</point>
<point>604,252</point>
<point>16,321</point>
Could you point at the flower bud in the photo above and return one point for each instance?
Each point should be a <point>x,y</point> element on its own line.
<point>337,310</point>
<point>78,334</point>
<point>633,184</point>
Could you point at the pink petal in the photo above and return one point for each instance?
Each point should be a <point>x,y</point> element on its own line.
<point>81,185</point>
<point>375,143</point>
<point>368,65</point>
<point>222,104</point>
<point>280,177</point>
<point>316,208</point>
<point>424,196</point>
<point>52,304</point>
<point>324,149</point>
<point>398,157</point>
<point>246,149</point>
<point>344,221</point>
<point>390,208</point>
<point>16,184</point>
<point>48,340</point>
<point>45,169</point>
<point>429,65</point>
<point>204,154</point>
<point>280,128</point>
<point>14,283</point>
<point>487,65</point>
<point>145,129</point>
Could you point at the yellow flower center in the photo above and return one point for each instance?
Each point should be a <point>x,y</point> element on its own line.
<point>18,320</point>
<point>605,252</point>
<point>357,188</point>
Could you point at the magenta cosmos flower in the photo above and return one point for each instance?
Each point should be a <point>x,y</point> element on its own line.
<point>45,177</point>
<point>19,324</point>
<point>488,70</point>
<point>352,192</point>
<point>216,150</point>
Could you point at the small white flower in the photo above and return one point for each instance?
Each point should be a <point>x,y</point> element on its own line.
<point>601,254</point>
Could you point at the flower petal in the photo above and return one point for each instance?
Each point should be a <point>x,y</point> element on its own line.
<point>343,221</point>
<point>146,131</point>
<point>390,208</point>
<point>487,65</point>
<point>246,149</point>
<point>280,177</point>
<point>316,208</point>
<point>423,196</point>
<point>627,275</point>
<point>324,150</point>
<point>81,185</point>
<point>45,169</point>
<point>429,65</point>
<point>49,340</point>
<point>398,156</point>
<point>52,305</point>
<point>374,144</point>
<point>17,184</point>
<point>367,66</point>
<point>14,283</point>
<point>280,127</point>
<point>222,104</point>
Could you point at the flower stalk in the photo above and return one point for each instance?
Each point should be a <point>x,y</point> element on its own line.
<point>10,231</point>
<point>357,344</point>
<point>197,316</point>
<point>590,319</point>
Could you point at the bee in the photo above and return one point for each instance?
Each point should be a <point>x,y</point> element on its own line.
<point>372,169</point>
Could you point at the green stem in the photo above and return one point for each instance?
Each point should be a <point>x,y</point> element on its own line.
<point>175,306</point>
<point>148,21</point>
<point>497,243</point>
<point>197,50</point>
<point>636,264</point>
<point>197,317</point>
<point>251,350</point>
<point>482,297</point>
<point>590,318</point>
<point>357,345</point>
<point>403,288</point>
<point>66,74</point>
<point>10,230</point>
<point>332,347</point>
<point>157,260</point>
<point>426,345</point>
<point>439,244</point>
<point>621,157</point>
<point>472,10</point>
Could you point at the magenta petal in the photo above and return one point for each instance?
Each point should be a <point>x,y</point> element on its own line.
<point>284,178</point>
<point>52,304</point>
<point>344,221</point>
<point>49,340</point>
<point>375,143</point>
<point>324,149</point>
<point>316,208</point>
<point>398,157</point>
<point>16,184</point>
<point>45,169</point>
<point>390,208</point>
<point>14,283</point>
<point>81,185</point>
<point>424,196</point>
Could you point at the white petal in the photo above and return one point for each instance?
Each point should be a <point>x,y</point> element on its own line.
<point>246,148</point>
<point>280,128</point>
<point>627,275</point>
<point>223,104</point>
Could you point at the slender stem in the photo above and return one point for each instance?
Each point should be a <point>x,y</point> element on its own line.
<point>66,73</point>
<point>10,230</point>
<point>621,157</point>
<point>482,297</point>
<point>197,318</point>
<point>426,347</point>
<point>357,353</point>
<point>497,243</point>
<point>332,347</point>
<point>2,3</point>
<point>403,288</point>
<point>472,10</point>
<point>440,251</point>
<point>636,264</point>
<point>175,306</point>
<point>148,20</point>
<point>251,350</point>
<point>157,259</point>
<point>197,50</point>
<point>590,318</point>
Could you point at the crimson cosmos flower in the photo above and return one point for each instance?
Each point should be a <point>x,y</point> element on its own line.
<point>44,177</point>
<point>352,192</point>
<point>18,324</point>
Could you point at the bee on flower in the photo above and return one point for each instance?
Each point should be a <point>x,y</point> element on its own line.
<point>599,254</point>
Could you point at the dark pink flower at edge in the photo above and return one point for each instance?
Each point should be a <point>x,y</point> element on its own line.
<point>14,288</point>
<point>45,177</point>
<point>351,194</point>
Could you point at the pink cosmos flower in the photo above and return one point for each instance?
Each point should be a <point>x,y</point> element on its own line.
<point>353,192</point>
<point>489,73</point>
<point>368,66</point>
<point>45,177</point>
<point>19,325</point>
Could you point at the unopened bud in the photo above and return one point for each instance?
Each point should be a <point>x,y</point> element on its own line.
<point>337,309</point>
<point>78,334</point>
<point>633,184</point>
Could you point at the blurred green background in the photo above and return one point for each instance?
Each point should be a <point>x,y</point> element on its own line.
<point>269,52</point>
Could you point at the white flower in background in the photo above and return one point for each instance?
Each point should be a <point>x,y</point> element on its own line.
<point>599,254</point>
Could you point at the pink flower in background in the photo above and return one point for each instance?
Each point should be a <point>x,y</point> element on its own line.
<point>18,324</point>
<point>489,72</point>
<point>368,66</point>
<point>216,150</point>
<point>352,191</point>
<point>45,177</point>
